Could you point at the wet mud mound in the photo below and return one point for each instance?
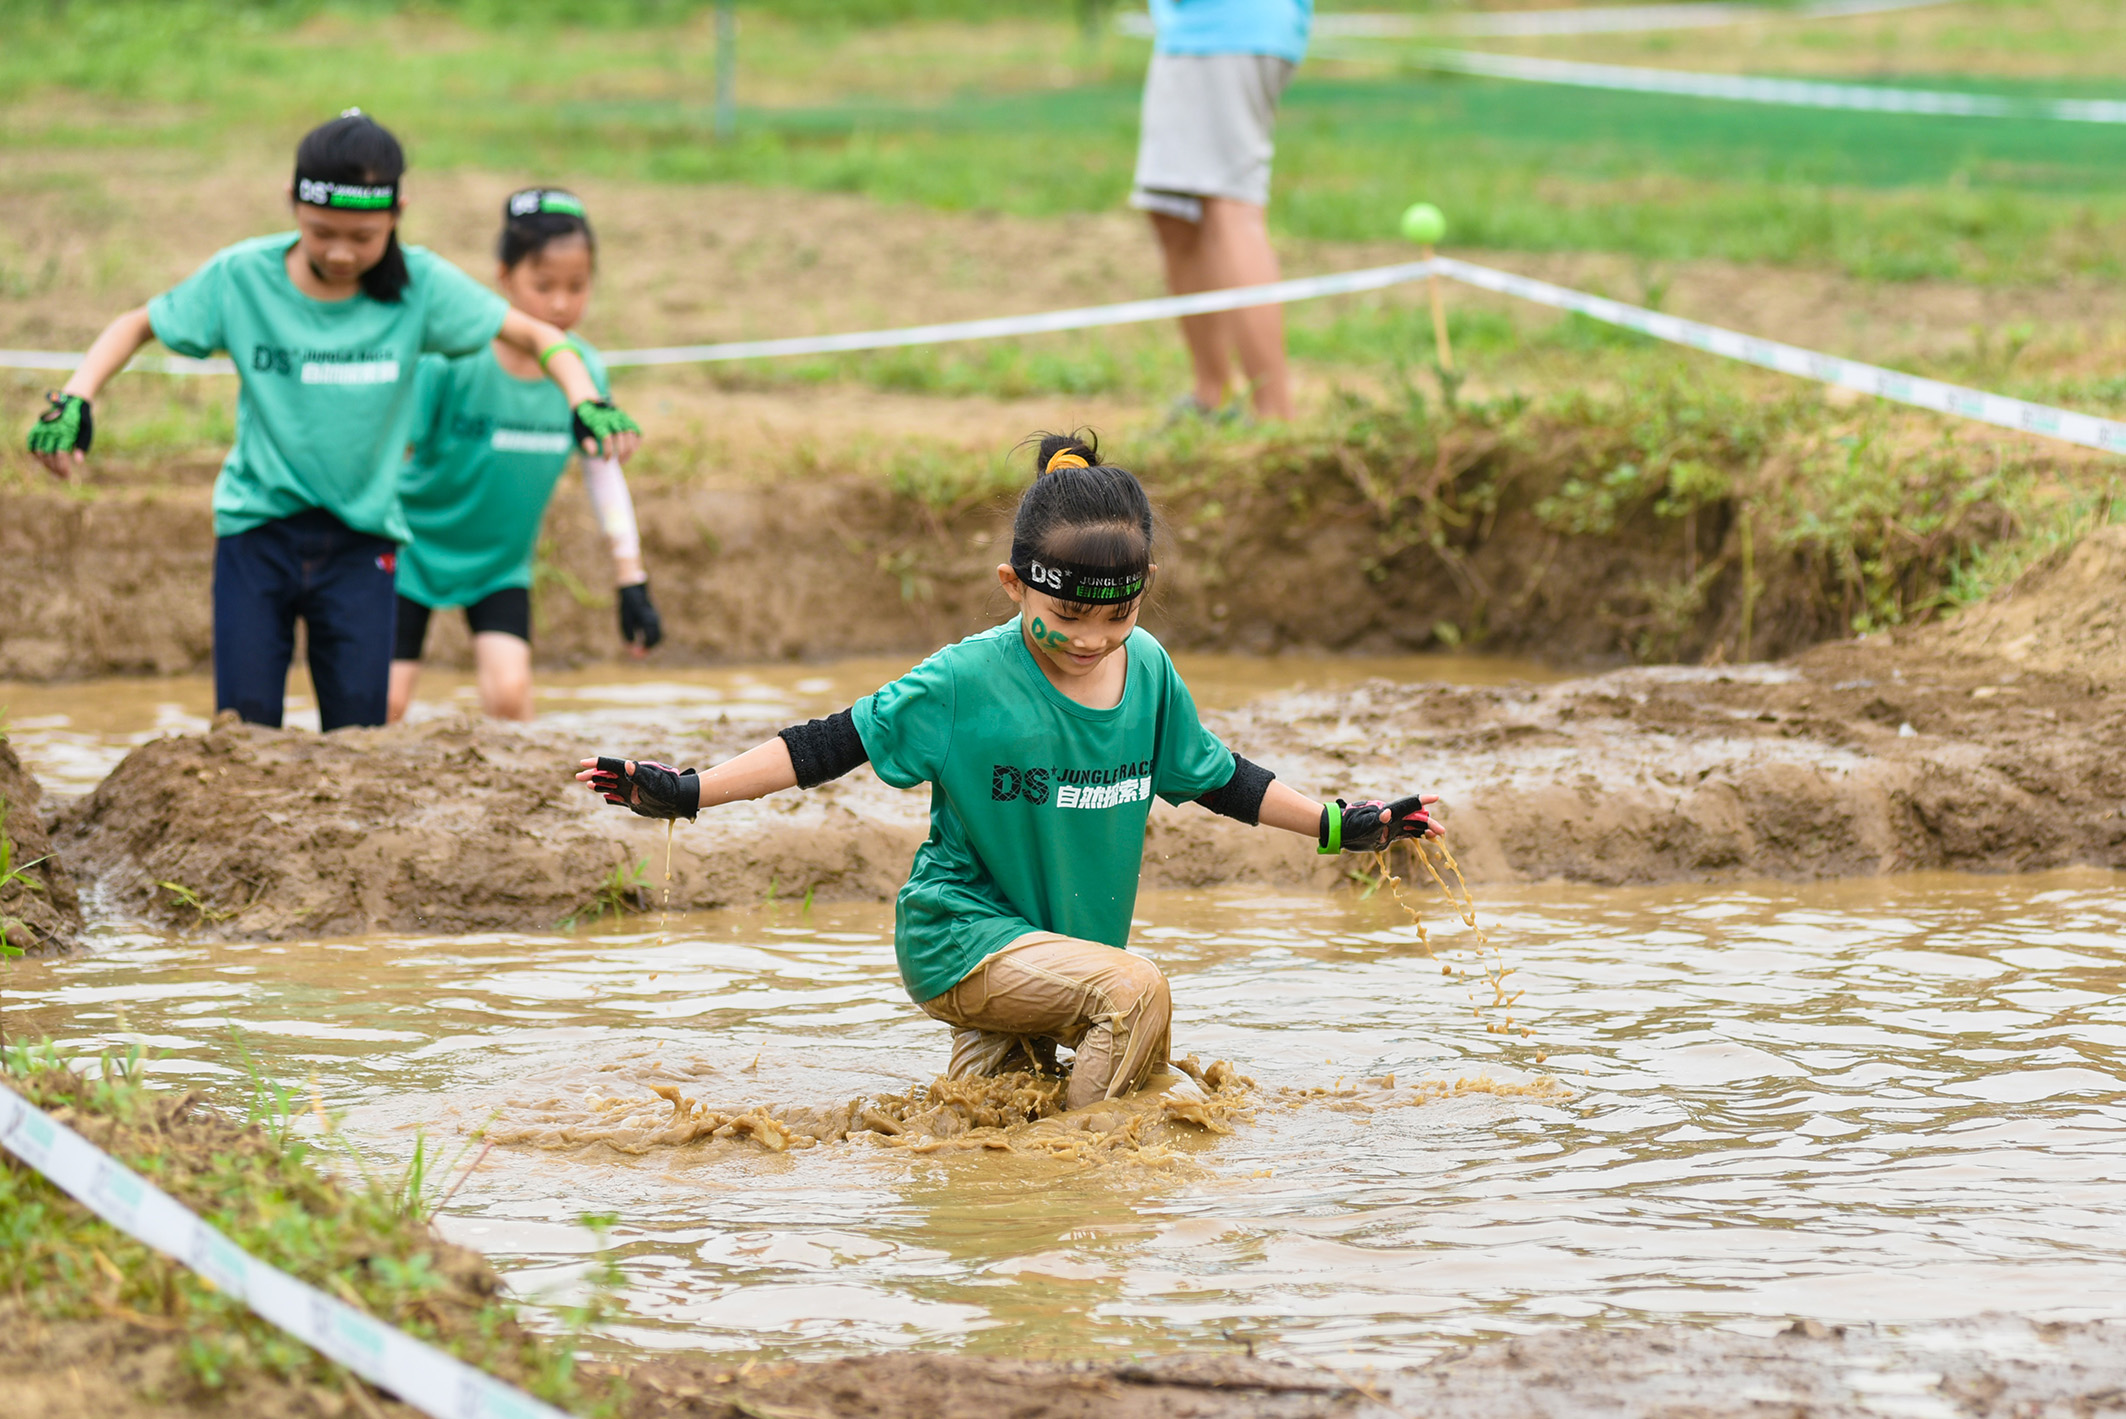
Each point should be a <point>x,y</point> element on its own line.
<point>1931,749</point>
<point>440,828</point>
<point>39,907</point>
<point>1011,1113</point>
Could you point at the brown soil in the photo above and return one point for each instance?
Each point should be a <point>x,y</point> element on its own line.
<point>39,908</point>
<point>2014,760</point>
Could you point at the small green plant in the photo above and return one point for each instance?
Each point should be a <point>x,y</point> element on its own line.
<point>619,894</point>
<point>11,873</point>
<point>184,898</point>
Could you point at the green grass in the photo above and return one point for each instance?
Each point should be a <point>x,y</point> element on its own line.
<point>989,125</point>
<point>257,1179</point>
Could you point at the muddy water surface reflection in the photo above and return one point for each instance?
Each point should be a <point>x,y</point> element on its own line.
<point>1890,1100</point>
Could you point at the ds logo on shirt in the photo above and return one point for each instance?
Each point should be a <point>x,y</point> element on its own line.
<point>1072,788</point>
<point>342,367</point>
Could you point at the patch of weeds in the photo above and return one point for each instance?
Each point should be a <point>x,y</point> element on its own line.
<point>619,894</point>
<point>12,874</point>
<point>183,898</point>
<point>258,1182</point>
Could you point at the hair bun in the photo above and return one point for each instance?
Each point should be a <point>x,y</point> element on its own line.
<point>1055,451</point>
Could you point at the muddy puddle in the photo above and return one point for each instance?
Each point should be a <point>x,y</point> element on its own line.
<point>75,732</point>
<point>1897,1100</point>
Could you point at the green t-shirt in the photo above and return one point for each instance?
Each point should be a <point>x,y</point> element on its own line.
<point>488,448</point>
<point>1038,804</point>
<point>327,398</point>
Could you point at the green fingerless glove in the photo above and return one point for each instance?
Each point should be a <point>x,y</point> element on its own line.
<point>601,419</point>
<point>65,426</point>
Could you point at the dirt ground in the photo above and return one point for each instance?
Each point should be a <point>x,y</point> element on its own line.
<point>1992,743</point>
<point>39,908</point>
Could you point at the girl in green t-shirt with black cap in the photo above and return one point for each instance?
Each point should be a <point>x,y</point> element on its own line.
<point>490,441</point>
<point>1044,741</point>
<point>326,325</point>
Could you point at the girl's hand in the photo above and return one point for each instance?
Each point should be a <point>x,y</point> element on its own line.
<point>650,790</point>
<point>604,430</point>
<point>1372,825</point>
<point>61,437</point>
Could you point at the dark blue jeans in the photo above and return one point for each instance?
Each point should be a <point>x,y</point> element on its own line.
<point>340,582</point>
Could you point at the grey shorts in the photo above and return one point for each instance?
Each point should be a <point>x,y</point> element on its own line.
<point>1206,131</point>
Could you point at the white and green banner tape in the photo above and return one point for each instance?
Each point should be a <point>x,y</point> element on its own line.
<point>388,1358</point>
<point>1996,409</point>
<point>2085,429</point>
<point>1791,93</point>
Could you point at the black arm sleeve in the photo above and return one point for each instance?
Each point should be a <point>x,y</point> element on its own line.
<point>1242,795</point>
<point>822,749</point>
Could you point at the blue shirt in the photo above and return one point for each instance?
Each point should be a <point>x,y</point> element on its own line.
<point>1276,27</point>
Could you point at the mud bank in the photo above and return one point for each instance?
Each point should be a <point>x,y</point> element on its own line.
<point>1979,1368</point>
<point>39,908</point>
<point>1949,748</point>
<point>1531,529</point>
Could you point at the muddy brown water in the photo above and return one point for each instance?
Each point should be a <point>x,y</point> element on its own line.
<point>74,733</point>
<point>1896,1100</point>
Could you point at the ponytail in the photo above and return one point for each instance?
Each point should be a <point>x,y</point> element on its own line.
<point>1083,531</point>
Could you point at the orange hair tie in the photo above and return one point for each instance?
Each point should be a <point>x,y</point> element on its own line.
<point>1066,458</point>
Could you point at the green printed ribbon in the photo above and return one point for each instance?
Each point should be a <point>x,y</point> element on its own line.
<point>534,200</point>
<point>64,426</point>
<point>316,192</point>
<point>600,420</point>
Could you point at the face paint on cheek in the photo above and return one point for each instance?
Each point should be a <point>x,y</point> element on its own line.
<point>1052,640</point>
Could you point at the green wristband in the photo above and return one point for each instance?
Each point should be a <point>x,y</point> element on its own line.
<point>548,353</point>
<point>1335,820</point>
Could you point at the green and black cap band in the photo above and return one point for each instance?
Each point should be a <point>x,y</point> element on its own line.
<point>1091,586</point>
<point>346,196</point>
<point>548,201</point>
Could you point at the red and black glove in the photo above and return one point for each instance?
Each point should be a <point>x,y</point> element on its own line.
<point>1359,827</point>
<point>651,790</point>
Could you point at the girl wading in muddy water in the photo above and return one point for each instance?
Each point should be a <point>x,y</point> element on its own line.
<point>1044,741</point>
<point>490,441</point>
<point>325,325</point>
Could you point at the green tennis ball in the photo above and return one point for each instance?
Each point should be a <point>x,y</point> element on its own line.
<point>1424,223</point>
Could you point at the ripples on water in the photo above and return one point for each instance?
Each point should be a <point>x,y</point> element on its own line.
<point>1892,1100</point>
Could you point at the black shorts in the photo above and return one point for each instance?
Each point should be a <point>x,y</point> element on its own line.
<point>507,611</point>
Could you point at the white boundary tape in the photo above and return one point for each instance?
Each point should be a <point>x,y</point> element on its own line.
<point>2085,429</point>
<point>417,1373</point>
<point>1082,318</point>
<point>1954,399</point>
<point>1792,93</point>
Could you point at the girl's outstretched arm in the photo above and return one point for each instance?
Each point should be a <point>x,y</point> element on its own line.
<point>60,439</point>
<point>1257,797</point>
<point>600,427</point>
<point>661,791</point>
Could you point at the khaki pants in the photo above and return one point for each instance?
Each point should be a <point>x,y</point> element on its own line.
<point>1109,1005</point>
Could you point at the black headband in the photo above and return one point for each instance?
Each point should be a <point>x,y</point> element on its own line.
<point>345,196</point>
<point>532,201</point>
<point>1071,581</point>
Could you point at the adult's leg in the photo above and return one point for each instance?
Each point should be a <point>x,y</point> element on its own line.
<point>1210,340</point>
<point>501,652</point>
<point>350,608</point>
<point>408,637</point>
<point>1112,1007</point>
<point>256,582</point>
<point>1236,251</point>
